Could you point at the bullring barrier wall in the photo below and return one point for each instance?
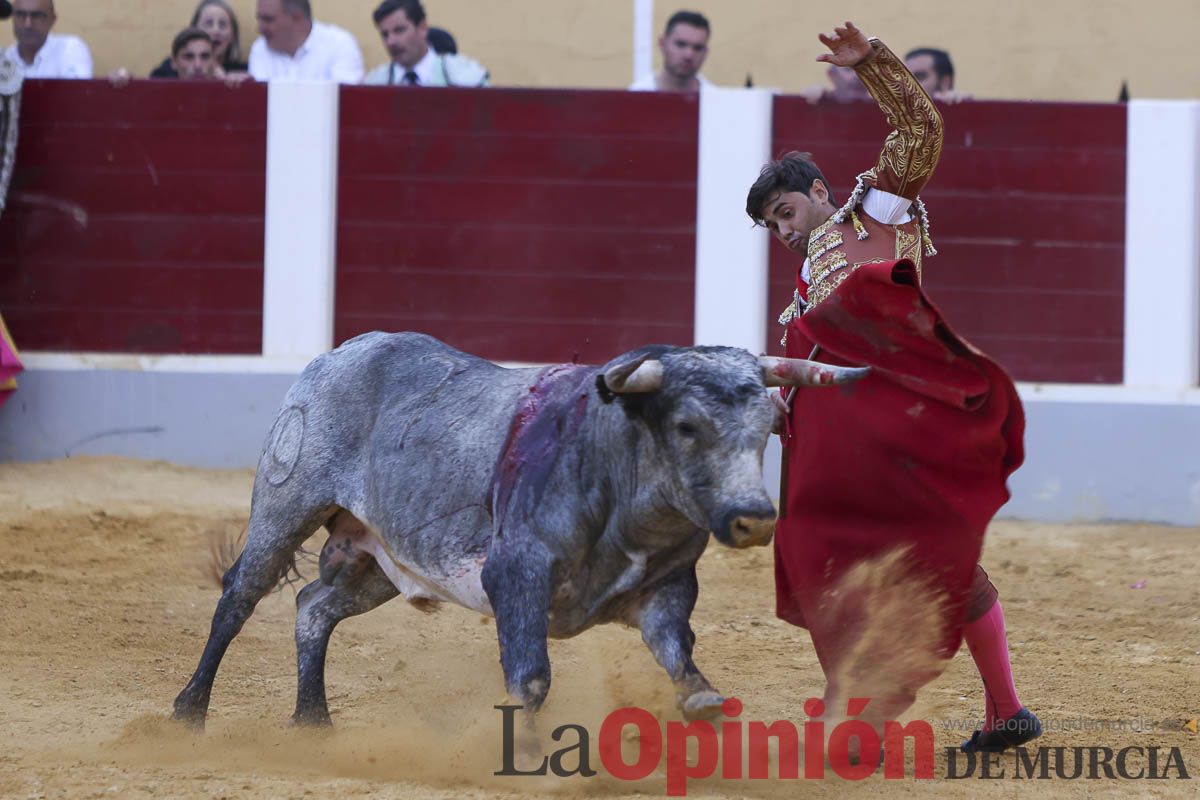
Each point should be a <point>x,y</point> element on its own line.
<point>172,255</point>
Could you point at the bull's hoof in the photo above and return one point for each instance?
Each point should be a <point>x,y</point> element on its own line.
<point>314,719</point>
<point>529,750</point>
<point>191,717</point>
<point>703,705</point>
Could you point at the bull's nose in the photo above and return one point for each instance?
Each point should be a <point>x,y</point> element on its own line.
<point>752,531</point>
<point>746,524</point>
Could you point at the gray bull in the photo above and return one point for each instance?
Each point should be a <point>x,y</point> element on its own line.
<point>553,499</point>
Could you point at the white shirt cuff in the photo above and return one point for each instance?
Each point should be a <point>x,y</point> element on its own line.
<point>890,209</point>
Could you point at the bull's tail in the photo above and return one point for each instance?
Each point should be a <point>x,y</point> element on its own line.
<point>224,550</point>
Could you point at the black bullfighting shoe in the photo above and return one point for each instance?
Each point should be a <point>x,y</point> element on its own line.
<point>1015,731</point>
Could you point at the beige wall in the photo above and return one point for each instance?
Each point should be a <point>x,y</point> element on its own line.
<point>1040,49</point>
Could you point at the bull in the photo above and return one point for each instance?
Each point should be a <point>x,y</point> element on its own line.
<point>552,499</point>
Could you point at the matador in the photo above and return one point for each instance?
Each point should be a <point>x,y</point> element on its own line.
<point>909,464</point>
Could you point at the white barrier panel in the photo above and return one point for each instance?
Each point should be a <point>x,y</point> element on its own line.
<point>301,225</point>
<point>643,37</point>
<point>731,254</point>
<point>1162,244</point>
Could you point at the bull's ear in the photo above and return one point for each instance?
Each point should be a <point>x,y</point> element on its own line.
<point>801,372</point>
<point>640,375</point>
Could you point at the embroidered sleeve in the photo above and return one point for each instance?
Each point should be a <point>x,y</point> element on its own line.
<point>911,151</point>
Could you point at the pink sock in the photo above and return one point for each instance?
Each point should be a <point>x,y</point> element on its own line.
<point>988,642</point>
<point>989,710</point>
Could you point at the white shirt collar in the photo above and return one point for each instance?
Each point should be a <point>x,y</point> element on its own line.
<point>15,54</point>
<point>302,50</point>
<point>426,69</point>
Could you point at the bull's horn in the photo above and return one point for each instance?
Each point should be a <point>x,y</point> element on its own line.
<point>801,372</point>
<point>635,377</point>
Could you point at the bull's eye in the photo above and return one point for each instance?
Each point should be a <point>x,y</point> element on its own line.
<point>687,429</point>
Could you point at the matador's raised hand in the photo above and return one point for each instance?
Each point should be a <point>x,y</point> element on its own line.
<point>848,46</point>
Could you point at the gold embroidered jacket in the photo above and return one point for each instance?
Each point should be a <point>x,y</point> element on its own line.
<point>910,153</point>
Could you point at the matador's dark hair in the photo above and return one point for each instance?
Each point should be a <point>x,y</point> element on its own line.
<point>793,172</point>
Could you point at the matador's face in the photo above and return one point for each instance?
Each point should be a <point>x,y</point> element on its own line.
<point>792,216</point>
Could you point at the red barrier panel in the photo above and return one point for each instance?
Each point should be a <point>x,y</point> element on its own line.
<point>135,218</point>
<point>1027,211</point>
<point>527,225</point>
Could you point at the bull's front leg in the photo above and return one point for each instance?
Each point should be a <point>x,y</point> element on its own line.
<point>517,580</point>
<point>663,619</point>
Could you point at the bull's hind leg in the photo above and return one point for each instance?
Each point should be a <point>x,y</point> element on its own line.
<point>664,622</point>
<point>270,547</point>
<point>320,606</point>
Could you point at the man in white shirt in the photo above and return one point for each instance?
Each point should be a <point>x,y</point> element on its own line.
<point>292,46</point>
<point>44,54</point>
<point>405,33</point>
<point>684,47</point>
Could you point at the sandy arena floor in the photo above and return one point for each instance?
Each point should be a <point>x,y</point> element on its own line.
<point>106,606</point>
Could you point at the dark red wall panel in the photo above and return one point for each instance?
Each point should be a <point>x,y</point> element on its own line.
<point>135,218</point>
<point>538,226</point>
<point>1027,211</point>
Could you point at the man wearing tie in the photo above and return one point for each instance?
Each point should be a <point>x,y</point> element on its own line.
<point>402,26</point>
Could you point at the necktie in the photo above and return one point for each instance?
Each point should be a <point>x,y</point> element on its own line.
<point>411,79</point>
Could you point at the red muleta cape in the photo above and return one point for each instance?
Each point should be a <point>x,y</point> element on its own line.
<point>916,454</point>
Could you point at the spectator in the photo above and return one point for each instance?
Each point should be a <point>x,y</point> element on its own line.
<point>406,35</point>
<point>684,47</point>
<point>192,56</point>
<point>44,54</point>
<point>292,46</point>
<point>217,19</point>
<point>934,70</point>
<point>844,87</point>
